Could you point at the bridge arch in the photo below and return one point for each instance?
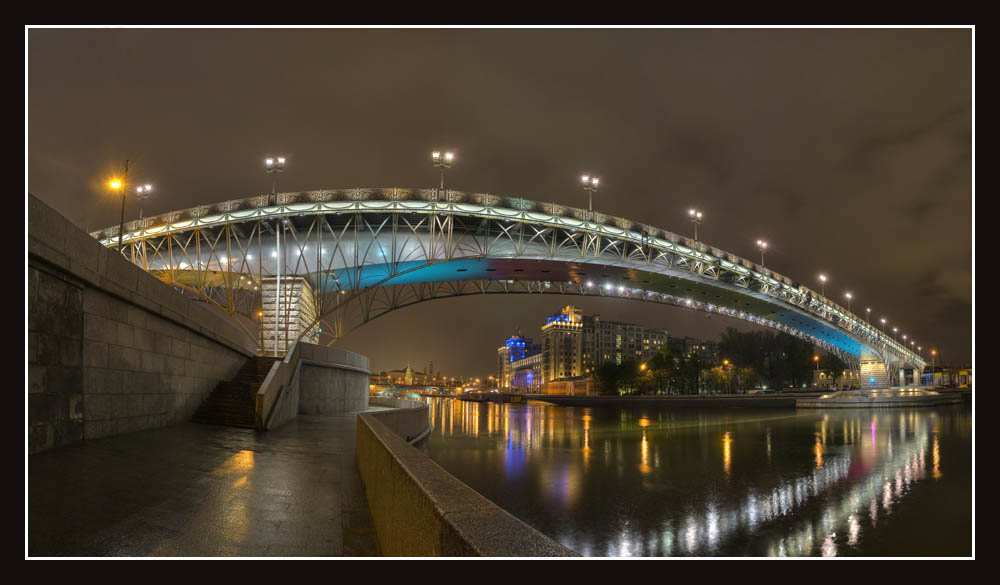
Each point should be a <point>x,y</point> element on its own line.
<point>356,250</point>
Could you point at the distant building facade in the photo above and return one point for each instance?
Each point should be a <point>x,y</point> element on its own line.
<point>573,345</point>
<point>707,351</point>
<point>510,359</point>
<point>828,379</point>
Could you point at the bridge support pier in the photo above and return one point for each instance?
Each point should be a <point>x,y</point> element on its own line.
<point>874,374</point>
<point>295,311</point>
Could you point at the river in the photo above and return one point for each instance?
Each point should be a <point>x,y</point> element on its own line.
<point>652,481</point>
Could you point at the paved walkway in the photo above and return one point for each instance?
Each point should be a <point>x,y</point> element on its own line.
<point>201,490</point>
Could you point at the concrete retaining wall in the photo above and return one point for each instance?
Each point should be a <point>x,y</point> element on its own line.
<point>419,509</point>
<point>111,349</point>
<point>408,419</point>
<point>313,379</point>
<point>333,381</point>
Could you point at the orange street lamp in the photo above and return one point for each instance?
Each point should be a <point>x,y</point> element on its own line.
<point>119,184</point>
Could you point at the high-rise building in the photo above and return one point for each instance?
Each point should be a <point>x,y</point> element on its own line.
<point>573,345</point>
<point>562,344</point>
<point>515,349</point>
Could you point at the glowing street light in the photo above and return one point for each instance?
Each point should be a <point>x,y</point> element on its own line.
<point>142,192</point>
<point>762,246</point>
<point>273,166</point>
<point>822,279</point>
<point>119,184</point>
<point>894,331</point>
<point>849,296</point>
<point>868,314</point>
<point>590,185</point>
<point>883,324</point>
<point>695,216</point>
<point>443,161</point>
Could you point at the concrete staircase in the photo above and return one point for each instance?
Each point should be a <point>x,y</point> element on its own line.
<point>232,403</point>
<point>876,370</point>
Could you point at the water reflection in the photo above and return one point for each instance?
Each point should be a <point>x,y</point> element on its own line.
<point>796,483</point>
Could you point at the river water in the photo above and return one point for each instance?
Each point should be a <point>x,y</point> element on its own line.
<point>651,481</point>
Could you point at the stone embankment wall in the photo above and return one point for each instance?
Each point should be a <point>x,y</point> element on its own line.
<point>111,349</point>
<point>419,509</point>
<point>313,379</point>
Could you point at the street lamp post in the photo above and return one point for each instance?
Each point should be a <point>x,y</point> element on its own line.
<point>141,193</point>
<point>442,161</point>
<point>590,185</point>
<point>695,216</point>
<point>868,315</point>
<point>762,246</point>
<point>816,360</point>
<point>274,165</point>
<point>822,286</point>
<point>894,331</point>
<point>116,184</point>
<point>848,295</point>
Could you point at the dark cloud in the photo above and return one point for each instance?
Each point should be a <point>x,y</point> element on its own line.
<point>849,150</point>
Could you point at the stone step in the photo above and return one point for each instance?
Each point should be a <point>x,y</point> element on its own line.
<point>233,402</point>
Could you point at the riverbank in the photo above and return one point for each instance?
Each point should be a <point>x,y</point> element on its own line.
<point>784,400</point>
<point>775,400</point>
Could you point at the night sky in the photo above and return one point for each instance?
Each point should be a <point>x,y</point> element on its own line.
<point>850,151</point>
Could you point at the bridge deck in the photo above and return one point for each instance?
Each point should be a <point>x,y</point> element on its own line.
<point>201,490</point>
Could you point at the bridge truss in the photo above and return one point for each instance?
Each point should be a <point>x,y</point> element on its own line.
<point>366,252</point>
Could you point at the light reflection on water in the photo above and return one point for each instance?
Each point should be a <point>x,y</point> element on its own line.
<point>642,481</point>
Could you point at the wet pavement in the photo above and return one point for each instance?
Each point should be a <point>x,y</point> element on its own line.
<point>202,490</point>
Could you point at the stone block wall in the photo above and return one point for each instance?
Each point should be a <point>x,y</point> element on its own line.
<point>332,381</point>
<point>111,349</point>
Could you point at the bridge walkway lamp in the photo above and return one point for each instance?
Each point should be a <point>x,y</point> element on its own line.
<point>142,192</point>
<point>590,184</point>
<point>443,161</point>
<point>816,361</point>
<point>762,246</point>
<point>849,296</point>
<point>695,216</point>
<point>273,166</point>
<point>894,331</point>
<point>868,315</point>
<point>822,286</point>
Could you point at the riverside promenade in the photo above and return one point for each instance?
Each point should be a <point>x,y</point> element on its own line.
<point>202,490</point>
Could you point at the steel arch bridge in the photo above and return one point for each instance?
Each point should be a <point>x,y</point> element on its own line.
<point>353,255</point>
